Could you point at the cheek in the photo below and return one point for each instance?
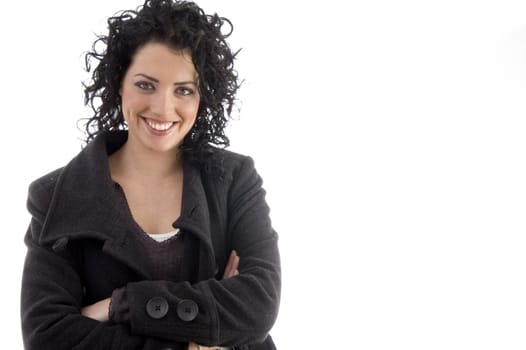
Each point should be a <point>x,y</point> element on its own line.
<point>131,104</point>
<point>190,110</point>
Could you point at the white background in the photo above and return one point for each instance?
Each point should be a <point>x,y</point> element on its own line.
<point>391,138</point>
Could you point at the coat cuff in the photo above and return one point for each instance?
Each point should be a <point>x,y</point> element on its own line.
<point>119,306</point>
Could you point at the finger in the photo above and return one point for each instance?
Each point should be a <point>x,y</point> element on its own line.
<point>232,260</point>
<point>231,274</point>
<point>234,270</point>
<point>234,266</point>
<point>231,265</point>
<point>236,261</point>
<point>228,266</point>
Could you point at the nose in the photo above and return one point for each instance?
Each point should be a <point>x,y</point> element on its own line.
<point>163,104</point>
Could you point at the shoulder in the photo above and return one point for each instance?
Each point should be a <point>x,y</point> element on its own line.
<point>84,171</point>
<point>46,181</point>
<point>41,190</point>
<point>231,165</point>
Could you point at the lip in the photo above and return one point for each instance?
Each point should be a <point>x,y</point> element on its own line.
<point>155,131</point>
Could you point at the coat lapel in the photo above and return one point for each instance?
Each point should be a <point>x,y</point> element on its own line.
<point>83,203</point>
<point>195,219</point>
<point>84,206</point>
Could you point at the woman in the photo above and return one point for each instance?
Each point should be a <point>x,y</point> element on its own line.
<point>153,237</point>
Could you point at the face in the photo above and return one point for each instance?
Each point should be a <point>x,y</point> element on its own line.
<point>160,98</point>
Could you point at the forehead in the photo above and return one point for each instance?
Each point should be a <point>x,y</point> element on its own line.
<point>161,60</point>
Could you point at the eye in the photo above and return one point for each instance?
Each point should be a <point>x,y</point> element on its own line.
<point>144,85</point>
<point>184,91</point>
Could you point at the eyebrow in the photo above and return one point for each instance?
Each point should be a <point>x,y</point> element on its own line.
<point>156,80</point>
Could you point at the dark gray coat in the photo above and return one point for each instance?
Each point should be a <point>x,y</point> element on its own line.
<point>79,251</point>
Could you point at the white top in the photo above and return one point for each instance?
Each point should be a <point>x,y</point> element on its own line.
<point>161,237</point>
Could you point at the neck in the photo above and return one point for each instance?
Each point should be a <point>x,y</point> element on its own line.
<point>145,164</point>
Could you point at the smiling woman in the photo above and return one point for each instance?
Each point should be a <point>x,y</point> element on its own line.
<point>153,236</point>
<point>160,99</point>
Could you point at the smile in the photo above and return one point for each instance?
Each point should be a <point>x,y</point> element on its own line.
<point>158,127</point>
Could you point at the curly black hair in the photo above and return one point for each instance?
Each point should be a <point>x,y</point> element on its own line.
<point>180,25</point>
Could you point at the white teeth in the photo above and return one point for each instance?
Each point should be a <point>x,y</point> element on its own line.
<point>159,126</point>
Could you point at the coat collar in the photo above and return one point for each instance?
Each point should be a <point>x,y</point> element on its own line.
<point>83,204</point>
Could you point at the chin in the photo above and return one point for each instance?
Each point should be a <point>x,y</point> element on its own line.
<point>164,148</point>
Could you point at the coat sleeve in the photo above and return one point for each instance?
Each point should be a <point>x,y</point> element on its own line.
<point>51,298</point>
<point>237,311</point>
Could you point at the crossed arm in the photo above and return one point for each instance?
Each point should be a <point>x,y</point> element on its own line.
<point>245,307</point>
<point>100,310</point>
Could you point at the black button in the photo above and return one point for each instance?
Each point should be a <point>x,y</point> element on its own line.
<point>157,307</point>
<point>187,310</point>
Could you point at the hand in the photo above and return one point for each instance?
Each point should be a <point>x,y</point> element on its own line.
<point>98,311</point>
<point>232,267</point>
<point>231,270</point>
<point>194,346</point>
